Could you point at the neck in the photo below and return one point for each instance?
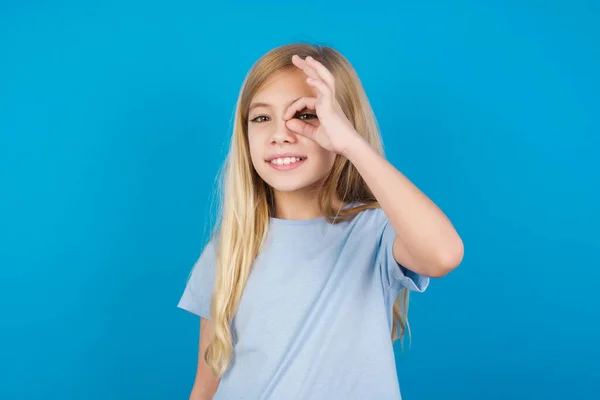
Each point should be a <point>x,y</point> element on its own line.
<point>299,205</point>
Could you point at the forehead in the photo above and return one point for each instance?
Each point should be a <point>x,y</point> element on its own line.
<point>282,86</point>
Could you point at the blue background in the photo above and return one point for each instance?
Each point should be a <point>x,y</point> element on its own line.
<point>114,120</point>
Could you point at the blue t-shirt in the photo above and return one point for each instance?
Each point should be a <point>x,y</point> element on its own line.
<point>315,318</point>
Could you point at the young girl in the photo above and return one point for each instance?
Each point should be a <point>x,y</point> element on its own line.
<point>304,286</point>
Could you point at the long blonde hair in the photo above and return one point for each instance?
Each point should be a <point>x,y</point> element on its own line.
<point>247,201</point>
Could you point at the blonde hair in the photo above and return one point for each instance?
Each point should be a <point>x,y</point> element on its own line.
<point>247,201</point>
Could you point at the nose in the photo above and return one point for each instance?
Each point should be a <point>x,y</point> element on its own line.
<point>282,134</point>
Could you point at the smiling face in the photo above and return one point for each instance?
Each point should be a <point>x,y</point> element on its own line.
<point>286,161</point>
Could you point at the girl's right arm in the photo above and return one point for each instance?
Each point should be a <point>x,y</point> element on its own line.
<point>206,383</point>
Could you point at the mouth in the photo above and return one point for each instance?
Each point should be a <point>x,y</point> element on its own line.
<point>286,162</point>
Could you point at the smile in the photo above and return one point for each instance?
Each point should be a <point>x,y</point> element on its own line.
<point>286,163</point>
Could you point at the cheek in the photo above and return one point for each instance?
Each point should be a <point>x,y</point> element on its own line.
<point>326,161</point>
<point>331,159</point>
<point>255,149</point>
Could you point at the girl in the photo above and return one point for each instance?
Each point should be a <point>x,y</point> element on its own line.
<point>304,285</point>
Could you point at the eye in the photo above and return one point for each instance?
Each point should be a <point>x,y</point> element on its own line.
<point>305,116</point>
<point>259,119</point>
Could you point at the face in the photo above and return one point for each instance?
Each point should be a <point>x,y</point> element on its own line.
<point>285,160</point>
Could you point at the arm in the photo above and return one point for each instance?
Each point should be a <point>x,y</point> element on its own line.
<point>205,384</point>
<point>426,241</point>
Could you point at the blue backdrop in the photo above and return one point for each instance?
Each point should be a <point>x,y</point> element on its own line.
<point>115,117</point>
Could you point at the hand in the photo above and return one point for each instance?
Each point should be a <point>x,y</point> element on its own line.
<point>334,131</point>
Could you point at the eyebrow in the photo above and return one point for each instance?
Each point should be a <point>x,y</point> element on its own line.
<point>261,104</point>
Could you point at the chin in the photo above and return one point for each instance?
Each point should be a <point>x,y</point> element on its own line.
<point>289,185</point>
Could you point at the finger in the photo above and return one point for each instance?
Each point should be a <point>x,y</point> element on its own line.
<point>302,128</point>
<point>320,85</point>
<point>308,70</point>
<point>299,105</point>
<point>322,71</point>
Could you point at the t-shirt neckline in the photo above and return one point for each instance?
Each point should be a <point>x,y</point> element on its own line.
<point>310,221</point>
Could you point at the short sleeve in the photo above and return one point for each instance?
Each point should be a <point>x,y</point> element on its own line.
<point>394,274</point>
<point>198,291</point>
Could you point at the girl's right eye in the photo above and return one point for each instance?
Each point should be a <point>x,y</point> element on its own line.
<point>260,118</point>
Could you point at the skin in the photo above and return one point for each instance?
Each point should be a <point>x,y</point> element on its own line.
<point>296,111</point>
<point>205,384</point>
<point>268,134</point>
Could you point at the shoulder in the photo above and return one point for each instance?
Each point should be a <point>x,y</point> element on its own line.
<point>199,287</point>
<point>210,247</point>
<point>371,219</point>
<point>207,259</point>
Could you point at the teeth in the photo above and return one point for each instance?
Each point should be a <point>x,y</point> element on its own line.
<point>286,160</point>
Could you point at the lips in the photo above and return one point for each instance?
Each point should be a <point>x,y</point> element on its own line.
<point>285,163</point>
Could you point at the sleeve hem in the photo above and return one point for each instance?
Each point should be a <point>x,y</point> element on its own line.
<point>400,276</point>
<point>187,304</point>
<point>416,283</point>
<point>193,310</point>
